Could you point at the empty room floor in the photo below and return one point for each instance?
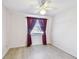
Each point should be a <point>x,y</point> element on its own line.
<point>37,52</point>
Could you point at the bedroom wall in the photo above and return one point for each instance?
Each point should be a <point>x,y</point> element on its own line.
<point>6,30</point>
<point>19,29</point>
<point>18,36</point>
<point>64,31</point>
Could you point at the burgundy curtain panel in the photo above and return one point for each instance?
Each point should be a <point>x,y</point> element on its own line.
<point>43,23</point>
<point>30,24</point>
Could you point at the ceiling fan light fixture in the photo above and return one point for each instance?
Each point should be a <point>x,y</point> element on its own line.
<point>43,12</point>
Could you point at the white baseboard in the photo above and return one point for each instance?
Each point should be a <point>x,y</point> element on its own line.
<point>15,46</point>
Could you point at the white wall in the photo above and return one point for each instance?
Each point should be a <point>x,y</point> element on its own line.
<point>18,35</point>
<point>4,47</point>
<point>5,30</point>
<point>64,33</point>
<point>19,29</point>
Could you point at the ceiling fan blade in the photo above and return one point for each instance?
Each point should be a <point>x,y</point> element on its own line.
<point>46,6</point>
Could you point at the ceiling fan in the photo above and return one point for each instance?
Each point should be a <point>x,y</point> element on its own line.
<point>44,6</point>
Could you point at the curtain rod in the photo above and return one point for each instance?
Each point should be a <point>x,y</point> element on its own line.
<point>36,18</point>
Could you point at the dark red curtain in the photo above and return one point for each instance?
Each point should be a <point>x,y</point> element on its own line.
<point>30,24</point>
<point>43,23</point>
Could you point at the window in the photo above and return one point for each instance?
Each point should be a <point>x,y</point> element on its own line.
<point>37,28</point>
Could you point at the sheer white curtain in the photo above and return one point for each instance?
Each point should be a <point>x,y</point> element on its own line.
<point>36,34</point>
<point>37,28</point>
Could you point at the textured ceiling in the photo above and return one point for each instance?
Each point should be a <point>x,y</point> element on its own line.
<point>32,6</point>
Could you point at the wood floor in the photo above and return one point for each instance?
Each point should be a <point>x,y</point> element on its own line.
<point>37,52</point>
